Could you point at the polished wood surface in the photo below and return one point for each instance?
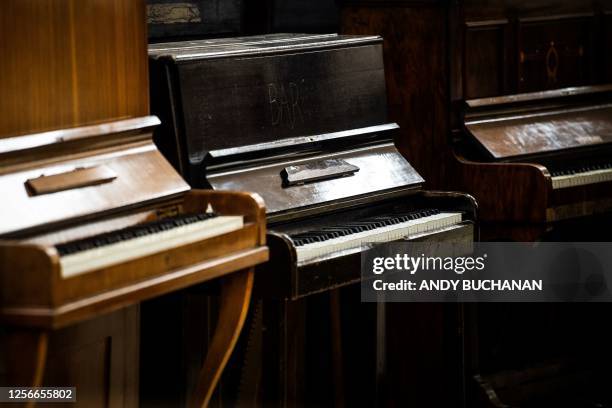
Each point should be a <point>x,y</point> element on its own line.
<point>283,101</point>
<point>77,160</point>
<point>281,108</point>
<point>235,298</point>
<point>71,63</point>
<point>46,299</point>
<point>99,357</point>
<point>415,46</point>
<point>141,175</point>
<point>555,132</point>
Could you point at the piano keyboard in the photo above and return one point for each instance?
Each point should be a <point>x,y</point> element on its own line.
<point>315,244</point>
<point>581,176</point>
<point>103,250</point>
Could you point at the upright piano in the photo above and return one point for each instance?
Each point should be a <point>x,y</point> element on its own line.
<point>529,95</point>
<point>93,219</point>
<point>530,136</point>
<point>302,120</point>
<point>552,146</point>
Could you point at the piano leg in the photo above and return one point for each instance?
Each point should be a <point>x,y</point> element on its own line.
<point>235,297</point>
<point>336,337</point>
<point>26,357</point>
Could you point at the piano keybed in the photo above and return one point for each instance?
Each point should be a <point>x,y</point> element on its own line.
<point>336,239</point>
<point>581,175</point>
<point>114,247</point>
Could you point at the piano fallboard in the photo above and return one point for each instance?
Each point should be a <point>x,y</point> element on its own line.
<point>543,133</point>
<point>381,170</point>
<point>553,150</point>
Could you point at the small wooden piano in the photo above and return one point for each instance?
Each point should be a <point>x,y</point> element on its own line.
<point>301,120</point>
<point>96,221</point>
<point>93,219</point>
<point>552,147</point>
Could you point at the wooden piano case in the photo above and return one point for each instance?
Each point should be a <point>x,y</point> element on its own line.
<point>49,305</point>
<point>77,160</point>
<point>302,120</point>
<point>508,136</point>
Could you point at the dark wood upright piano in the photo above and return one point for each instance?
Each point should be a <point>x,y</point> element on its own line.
<point>302,120</point>
<point>530,106</point>
<point>93,219</point>
<point>509,101</point>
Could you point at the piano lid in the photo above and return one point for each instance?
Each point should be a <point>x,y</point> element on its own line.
<point>297,185</point>
<point>251,45</point>
<point>229,94</point>
<point>65,176</point>
<point>540,123</point>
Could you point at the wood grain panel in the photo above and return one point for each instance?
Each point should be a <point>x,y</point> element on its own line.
<point>415,57</point>
<point>99,357</point>
<point>485,66</point>
<point>555,54</point>
<point>71,62</point>
<point>608,46</point>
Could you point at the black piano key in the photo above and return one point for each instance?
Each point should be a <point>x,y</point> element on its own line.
<point>134,231</point>
<point>581,168</point>
<point>357,226</point>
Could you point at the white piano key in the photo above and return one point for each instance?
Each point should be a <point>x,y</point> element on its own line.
<point>123,251</point>
<point>385,234</point>
<point>581,179</point>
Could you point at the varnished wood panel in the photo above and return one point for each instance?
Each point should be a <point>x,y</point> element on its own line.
<point>495,9</point>
<point>505,201</point>
<point>545,133</point>
<point>485,62</point>
<point>71,62</point>
<point>608,45</point>
<point>415,70</point>
<point>99,357</point>
<point>555,54</point>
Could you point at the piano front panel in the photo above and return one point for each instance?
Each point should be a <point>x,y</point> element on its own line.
<point>281,96</point>
<point>509,47</point>
<point>555,54</point>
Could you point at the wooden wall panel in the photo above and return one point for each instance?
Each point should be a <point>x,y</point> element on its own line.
<point>485,62</point>
<point>415,70</point>
<point>71,62</point>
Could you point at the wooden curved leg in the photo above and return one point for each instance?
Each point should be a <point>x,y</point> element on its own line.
<point>26,356</point>
<point>235,297</point>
